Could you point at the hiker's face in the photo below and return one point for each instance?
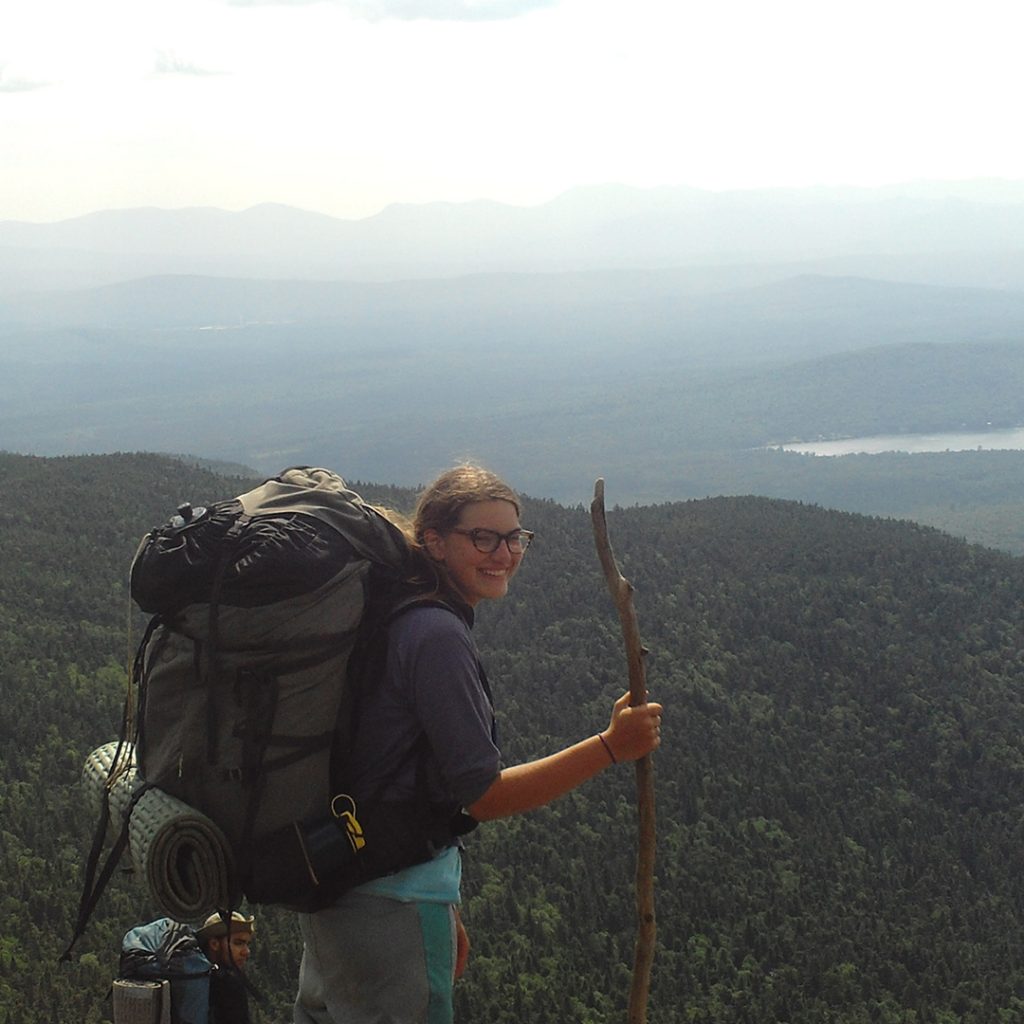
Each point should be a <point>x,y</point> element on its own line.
<point>236,954</point>
<point>475,574</point>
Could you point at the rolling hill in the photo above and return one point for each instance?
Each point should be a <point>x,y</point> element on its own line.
<point>839,788</point>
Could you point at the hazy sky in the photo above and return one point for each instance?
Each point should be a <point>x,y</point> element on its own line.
<point>344,106</point>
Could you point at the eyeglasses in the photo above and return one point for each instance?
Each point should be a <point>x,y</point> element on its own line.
<point>488,541</point>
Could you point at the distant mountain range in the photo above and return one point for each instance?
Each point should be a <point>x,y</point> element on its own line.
<point>630,312</point>
<point>660,336</point>
<point>956,232</point>
<point>666,392</point>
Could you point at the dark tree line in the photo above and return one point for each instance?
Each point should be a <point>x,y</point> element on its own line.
<point>839,786</point>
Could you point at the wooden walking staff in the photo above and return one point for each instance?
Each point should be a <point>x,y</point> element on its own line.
<point>622,594</point>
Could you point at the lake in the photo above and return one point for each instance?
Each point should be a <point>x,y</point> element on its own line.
<point>984,440</point>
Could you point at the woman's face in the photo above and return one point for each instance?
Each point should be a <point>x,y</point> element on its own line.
<point>475,575</point>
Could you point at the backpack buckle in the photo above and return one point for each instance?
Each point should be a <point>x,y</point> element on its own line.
<point>346,817</point>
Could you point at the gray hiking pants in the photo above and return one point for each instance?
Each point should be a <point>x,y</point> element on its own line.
<point>373,960</point>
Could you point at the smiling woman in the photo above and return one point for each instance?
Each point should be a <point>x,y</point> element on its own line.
<point>481,550</point>
<point>388,951</point>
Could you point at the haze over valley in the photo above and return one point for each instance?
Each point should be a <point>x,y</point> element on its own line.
<point>660,338</point>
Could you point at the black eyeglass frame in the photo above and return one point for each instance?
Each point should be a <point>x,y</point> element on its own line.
<point>522,538</point>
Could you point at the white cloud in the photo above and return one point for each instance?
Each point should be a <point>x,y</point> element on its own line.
<point>425,10</point>
<point>14,83</point>
<point>169,63</point>
<point>445,10</point>
<point>345,106</point>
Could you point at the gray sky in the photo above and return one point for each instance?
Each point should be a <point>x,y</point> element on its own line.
<point>345,106</point>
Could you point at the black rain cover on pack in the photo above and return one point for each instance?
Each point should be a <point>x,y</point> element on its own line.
<point>257,604</point>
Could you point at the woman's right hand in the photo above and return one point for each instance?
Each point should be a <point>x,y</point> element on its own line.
<point>633,731</point>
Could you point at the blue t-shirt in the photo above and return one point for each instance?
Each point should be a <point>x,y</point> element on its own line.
<point>432,687</point>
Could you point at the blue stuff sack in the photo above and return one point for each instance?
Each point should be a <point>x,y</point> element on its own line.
<point>169,950</point>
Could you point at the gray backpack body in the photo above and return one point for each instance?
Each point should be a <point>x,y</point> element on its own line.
<point>270,616</point>
<point>243,685</point>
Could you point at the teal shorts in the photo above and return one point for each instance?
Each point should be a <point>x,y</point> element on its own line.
<point>373,960</point>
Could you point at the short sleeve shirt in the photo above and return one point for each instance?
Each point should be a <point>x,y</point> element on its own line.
<point>433,687</point>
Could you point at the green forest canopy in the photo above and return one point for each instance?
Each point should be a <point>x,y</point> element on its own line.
<point>839,788</point>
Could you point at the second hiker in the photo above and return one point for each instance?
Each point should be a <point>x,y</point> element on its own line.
<point>227,944</point>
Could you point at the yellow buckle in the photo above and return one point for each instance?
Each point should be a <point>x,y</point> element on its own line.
<point>347,815</point>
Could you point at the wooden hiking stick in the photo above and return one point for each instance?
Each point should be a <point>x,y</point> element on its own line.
<point>622,594</point>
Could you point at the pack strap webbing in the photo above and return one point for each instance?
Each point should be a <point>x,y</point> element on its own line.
<point>95,884</point>
<point>210,652</point>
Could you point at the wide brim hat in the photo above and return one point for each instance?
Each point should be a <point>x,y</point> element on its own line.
<point>216,925</point>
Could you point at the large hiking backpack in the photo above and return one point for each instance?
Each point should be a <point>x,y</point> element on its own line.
<point>242,695</point>
<point>162,950</point>
<point>246,698</point>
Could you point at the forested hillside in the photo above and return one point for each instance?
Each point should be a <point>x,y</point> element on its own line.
<point>839,786</point>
